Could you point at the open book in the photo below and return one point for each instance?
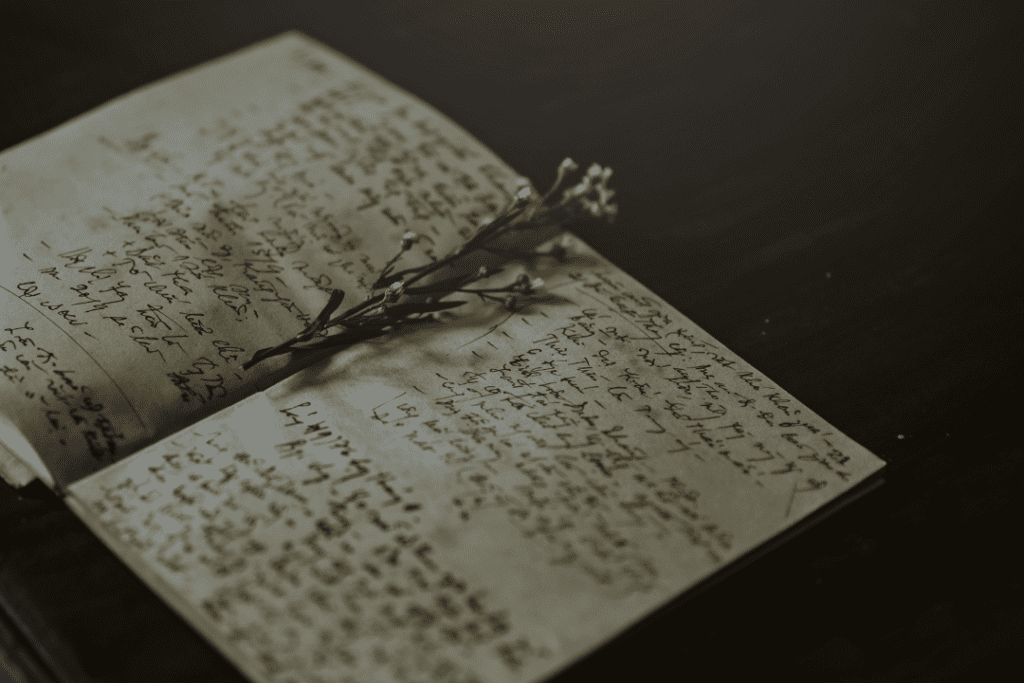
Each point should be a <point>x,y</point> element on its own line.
<point>486,499</point>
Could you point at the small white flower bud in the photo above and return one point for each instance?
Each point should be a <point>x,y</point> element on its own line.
<point>604,194</point>
<point>483,272</point>
<point>408,239</point>
<point>394,291</point>
<point>594,170</point>
<point>569,165</point>
<point>536,284</point>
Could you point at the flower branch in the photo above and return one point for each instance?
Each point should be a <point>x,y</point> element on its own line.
<point>394,299</point>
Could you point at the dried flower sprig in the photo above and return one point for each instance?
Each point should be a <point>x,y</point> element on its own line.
<point>396,300</point>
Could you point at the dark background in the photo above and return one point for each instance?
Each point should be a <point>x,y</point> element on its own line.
<point>832,189</point>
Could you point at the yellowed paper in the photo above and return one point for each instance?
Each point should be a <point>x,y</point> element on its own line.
<point>13,470</point>
<point>148,248</point>
<point>484,500</point>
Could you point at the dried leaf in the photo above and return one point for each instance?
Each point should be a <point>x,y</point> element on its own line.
<point>402,310</point>
<point>337,296</point>
<point>263,354</point>
<point>450,283</point>
<point>343,338</point>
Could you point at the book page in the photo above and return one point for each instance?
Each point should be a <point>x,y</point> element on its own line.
<point>484,500</point>
<point>148,248</point>
<point>13,470</point>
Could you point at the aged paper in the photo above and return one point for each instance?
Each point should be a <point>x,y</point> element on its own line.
<point>13,470</point>
<point>483,500</point>
<point>149,247</point>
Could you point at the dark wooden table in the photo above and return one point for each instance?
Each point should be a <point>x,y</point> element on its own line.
<point>832,189</point>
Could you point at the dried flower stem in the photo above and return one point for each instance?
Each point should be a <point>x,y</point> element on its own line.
<point>393,299</point>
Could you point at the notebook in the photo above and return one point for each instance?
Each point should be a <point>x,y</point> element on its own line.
<point>486,496</point>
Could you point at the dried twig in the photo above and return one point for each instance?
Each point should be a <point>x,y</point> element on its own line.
<point>395,299</point>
